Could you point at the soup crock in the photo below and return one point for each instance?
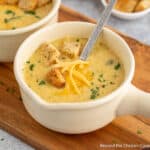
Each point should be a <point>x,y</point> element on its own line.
<point>74,118</point>
<point>10,40</point>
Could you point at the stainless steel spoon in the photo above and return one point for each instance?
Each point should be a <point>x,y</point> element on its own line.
<point>97,30</point>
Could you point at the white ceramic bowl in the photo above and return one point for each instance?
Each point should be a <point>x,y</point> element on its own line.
<point>10,40</point>
<point>86,116</point>
<point>127,16</point>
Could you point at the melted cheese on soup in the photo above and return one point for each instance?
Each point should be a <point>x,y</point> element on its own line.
<point>12,17</point>
<point>102,73</point>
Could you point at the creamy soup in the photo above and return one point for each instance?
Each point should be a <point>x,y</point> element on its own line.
<point>13,17</point>
<point>56,74</point>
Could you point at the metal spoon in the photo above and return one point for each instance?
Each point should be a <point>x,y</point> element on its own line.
<point>97,30</point>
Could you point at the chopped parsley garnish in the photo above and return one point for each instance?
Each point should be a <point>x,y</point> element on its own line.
<point>30,12</point>
<point>101,75</point>
<point>31,67</point>
<point>10,12</point>
<point>101,78</point>
<point>94,93</point>
<point>38,17</point>
<point>139,132</point>
<point>7,20</point>
<point>28,62</point>
<point>13,28</point>
<point>110,62</point>
<point>42,82</point>
<point>117,66</point>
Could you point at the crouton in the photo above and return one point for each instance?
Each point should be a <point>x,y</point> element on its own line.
<point>12,2</point>
<point>143,4</point>
<point>43,2</point>
<point>71,49</point>
<point>56,78</point>
<point>50,54</point>
<point>2,1</point>
<point>28,4</point>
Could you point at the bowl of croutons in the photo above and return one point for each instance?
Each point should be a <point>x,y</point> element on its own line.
<point>130,9</point>
<point>19,19</point>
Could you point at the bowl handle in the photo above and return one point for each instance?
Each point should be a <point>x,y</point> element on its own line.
<point>135,102</point>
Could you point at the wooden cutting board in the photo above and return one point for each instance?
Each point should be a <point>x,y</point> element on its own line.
<point>123,130</point>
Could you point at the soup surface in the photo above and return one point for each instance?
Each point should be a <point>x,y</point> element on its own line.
<point>79,81</point>
<point>13,17</point>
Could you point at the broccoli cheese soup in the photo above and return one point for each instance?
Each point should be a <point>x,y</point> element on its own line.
<point>56,74</point>
<point>13,17</point>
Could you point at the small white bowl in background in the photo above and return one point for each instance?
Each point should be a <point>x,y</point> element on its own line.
<point>125,15</point>
<point>10,40</point>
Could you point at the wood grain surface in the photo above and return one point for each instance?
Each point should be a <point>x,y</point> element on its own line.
<point>123,130</point>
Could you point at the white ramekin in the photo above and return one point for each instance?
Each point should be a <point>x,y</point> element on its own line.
<point>10,40</point>
<point>82,117</point>
<point>127,16</point>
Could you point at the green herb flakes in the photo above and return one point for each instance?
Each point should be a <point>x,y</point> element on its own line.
<point>31,67</point>
<point>38,17</point>
<point>30,12</point>
<point>13,28</point>
<point>42,82</point>
<point>7,20</point>
<point>27,62</point>
<point>101,78</point>
<point>10,12</point>
<point>101,75</point>
<point>117,66</point>
<point>94,93</point>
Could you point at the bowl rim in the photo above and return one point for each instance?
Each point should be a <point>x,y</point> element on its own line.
<point>33,26</point>
<point>74,105</point>
<point>127,14</point>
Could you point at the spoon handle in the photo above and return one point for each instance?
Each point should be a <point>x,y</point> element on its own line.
<point>96,32</point>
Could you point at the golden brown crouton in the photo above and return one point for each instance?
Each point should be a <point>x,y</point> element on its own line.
<point>28,4</point>
<point>143,4</point>
<point>12,1</point>
<point>50,54</point>
<point>71,49</point>
<point>2,1</point>
<point>56,78</point>
<point>43,2</point>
